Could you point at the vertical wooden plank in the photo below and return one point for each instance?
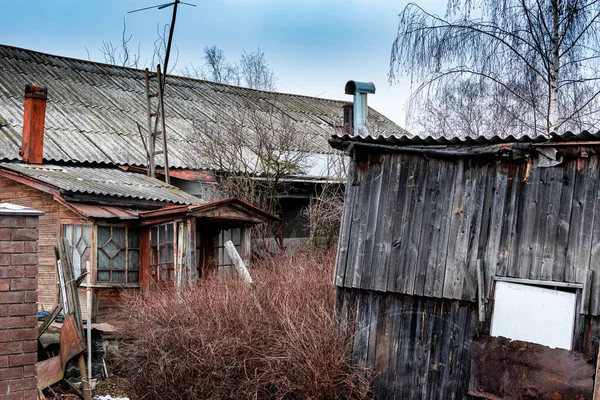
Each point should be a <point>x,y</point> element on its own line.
<point>145,274</point>
<point>380,174</point>
<point>459,284</point>
<point>527,223</point>
<point>582,218</point>
<point>507,242</point>
<point>563,221</point>
<point>346,228</point>
<point>424,367</point>
<point>387,218</point>
<point>431,222</point>
<point>479,188</point>
<point>412,234</point>
<point>499,194</point>
<point>401,222</point>
<point>456,211</point>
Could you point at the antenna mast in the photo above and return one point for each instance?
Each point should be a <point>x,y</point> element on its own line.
<point>153,132</point>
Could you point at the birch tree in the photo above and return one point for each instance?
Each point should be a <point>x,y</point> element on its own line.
<point>529,65</point>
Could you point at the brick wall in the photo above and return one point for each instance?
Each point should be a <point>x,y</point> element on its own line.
<point>18,298</point>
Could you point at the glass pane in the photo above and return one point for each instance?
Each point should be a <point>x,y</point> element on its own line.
<point>134,239</point>
<point>103,276</point>
<point>171,274</point>
<point>226,235</point>
<point>118,276</point>
<point>103,235</point>
<point>76,233</point>
<point>86,234</point>
<point>171,253</point>
<point>118,235</point>
<point>68,232</point>
<point>133,277</point>
<point>81,246</point>
<point>154,236</point>
<point>163,272</point>
<point>103,260</point>
<point>162,254</point>
<point>170,232</point>
<point>111,249</point>
<point>76,262</point>
<point>133,262</point>
<point>162,234</point>
<point>220,239</point>
<point>118,261</point>
<point>236,236</point>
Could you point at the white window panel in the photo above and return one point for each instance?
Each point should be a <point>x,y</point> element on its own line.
<point>534,314</point>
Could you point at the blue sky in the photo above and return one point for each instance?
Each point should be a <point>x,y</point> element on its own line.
<point>314,47</point>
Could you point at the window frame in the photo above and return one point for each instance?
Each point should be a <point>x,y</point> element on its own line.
<point>573,288</point>
<point>95,268</point>
<point>155,249</point>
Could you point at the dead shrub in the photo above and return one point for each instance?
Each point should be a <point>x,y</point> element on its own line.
<point>212,342</point>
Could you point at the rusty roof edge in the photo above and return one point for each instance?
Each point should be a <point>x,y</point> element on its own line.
<point>189,209</point>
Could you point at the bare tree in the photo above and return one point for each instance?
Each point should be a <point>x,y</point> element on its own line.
<point>256,71</point>
<point>530,66</point>
<point>252,149</point>
<point>252,71</point>
<point>120,54</point>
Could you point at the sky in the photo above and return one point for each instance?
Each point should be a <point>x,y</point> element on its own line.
<point>314,47</point>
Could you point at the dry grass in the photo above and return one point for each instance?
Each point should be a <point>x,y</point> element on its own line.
<point>213,342</point>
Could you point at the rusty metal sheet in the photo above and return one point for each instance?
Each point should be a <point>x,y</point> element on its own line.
<point>511,370</point>
<point>71,345</point>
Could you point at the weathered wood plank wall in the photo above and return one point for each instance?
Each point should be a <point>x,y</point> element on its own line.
<point>419,347</point>
<point>415,225</point>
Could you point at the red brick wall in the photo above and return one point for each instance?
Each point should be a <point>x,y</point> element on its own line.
<point>18,309</point>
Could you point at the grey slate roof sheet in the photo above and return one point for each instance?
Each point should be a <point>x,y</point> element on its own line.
<point>93,110</point>
<point>337,141</point>
<point>103,181</point>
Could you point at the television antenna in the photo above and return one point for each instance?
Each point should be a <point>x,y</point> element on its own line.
<point>155,118</point>
<point>171,28</point>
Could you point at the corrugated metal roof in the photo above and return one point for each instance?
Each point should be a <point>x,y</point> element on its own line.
<point>93,110</point>
<point>103,181</point>
<point>340,141</point>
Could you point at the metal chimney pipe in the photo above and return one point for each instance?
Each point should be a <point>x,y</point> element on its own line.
<point>361,109</point>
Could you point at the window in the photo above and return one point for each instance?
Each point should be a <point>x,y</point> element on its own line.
<point>79,237</point>
<point>162,245</point>
<point>543,315</point>
<point>221,257</point>
<point>118,255</point>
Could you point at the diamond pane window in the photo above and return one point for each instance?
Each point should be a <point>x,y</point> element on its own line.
<point>118,255</point>
<point>79,238</point>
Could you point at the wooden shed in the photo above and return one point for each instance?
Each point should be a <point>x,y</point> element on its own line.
<point>447,245</point>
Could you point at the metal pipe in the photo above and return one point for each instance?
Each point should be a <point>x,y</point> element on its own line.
<point>88,291</point>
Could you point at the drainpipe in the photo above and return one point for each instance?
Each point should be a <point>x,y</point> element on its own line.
<point>360,109</point>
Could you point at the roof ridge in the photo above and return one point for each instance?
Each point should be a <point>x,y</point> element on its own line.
<point>98,63</point>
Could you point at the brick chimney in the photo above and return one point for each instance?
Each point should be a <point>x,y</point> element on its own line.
<point>32,149</point>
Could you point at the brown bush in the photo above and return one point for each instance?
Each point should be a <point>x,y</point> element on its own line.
<point>213,342</point>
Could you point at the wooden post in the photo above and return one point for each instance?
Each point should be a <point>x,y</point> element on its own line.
<point>480,291</point>
<point>596,395</point>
